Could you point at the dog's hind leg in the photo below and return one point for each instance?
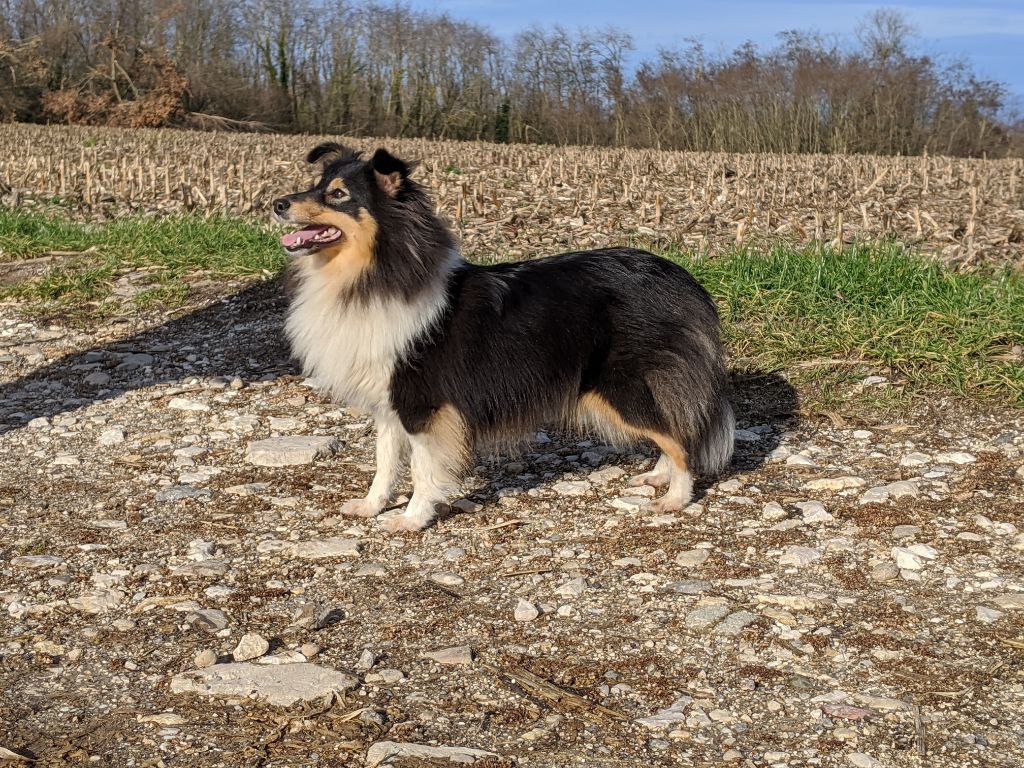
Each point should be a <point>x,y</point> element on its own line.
<point>392,442</point>
<point>439,453</point>
<point>680,484</point>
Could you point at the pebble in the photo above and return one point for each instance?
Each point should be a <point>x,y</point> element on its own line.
<point>251,646</point>
<point>289,451</point>
<point>571,487</point>
<point>862,760</point>
<point>525,611</point>
<point>799,556</point>
<point>987,615</point>
<point>366,660</point>
<point>310,650</point>
<point>279,684</point>
<point>799,460</point>
<point>384,753</point>
<point>907,560</point>
<point>885,572</point>
<point>606,475</point>
<point>111,436</point>
<point>915,459</point>
<point>773,511</point>
<point>454,656</point>
<point>834,483</point>
<point>692,557</point>
<point>181,493</point>
<point>325,549</point>
<point>205,659</point>
<point>572,588</point>
<point>814,512</point>
<point>704,616</point>
<point>37,561</point>
<point>184,404</point>
<point>446,579</point>
<point>955,457</point>
<point>733,624</point>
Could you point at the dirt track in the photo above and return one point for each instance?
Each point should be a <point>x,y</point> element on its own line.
<point>138,535</point>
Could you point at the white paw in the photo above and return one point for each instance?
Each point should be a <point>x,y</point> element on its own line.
<point>360,508</point>
<point>401,523</point>
<point>655,479</point>
<point>668,504</point>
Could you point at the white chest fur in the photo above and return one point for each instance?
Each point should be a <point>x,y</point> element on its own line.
<point>351,348</point>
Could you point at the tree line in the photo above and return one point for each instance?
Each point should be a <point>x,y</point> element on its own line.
<point>360,67</point>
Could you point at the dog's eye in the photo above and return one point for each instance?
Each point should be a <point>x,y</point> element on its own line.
<point>339,195</point>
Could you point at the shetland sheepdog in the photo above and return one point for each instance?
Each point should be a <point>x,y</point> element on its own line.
<point>449,355</point>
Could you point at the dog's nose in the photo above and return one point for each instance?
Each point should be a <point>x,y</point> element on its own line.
<point>281,205</point>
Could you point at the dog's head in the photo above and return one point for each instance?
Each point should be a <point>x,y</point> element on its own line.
<point>339,217</point>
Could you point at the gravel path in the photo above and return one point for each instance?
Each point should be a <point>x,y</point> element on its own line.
<point>177,589</point>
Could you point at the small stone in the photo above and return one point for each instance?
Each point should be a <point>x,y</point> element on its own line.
<point>366,660</point>
<point>279,684</point>
<point>799,460</point>
<point>924,551</point>
<point>987,615</point>
<point>310,650</point>
<point>606,475</point>
<point>915,459</point>
<point>184,404</point>
<point>251,646</point>
<point>834,483</point>
<point>862,760</point>
<point>525,611</point>
<point>691,558</point>
<point>906,559</point>
<point>731,756</point>
<point>773,511</point>
<point>799,556</point>
<point>457,655</point>
<point>630,503</point>
<point>571,487</point>
<point>205,659</point>
<point>704,616</point>
<point>690,587</point>
<point>906,531</point>
<point>384,753</point>
<point>572,588</point>
<point>111,436</point>
<point>814,512</point>
<point>37,561</point>
<point>955,457</point>
<point>201,569</point>
<point>885,572</point>
<point>371,570</point>
<point>733,624</point>
<point>182,492</point>
<point>665,718</point>
<point>210,619</point>
<point>385,677</point>
<point>446,579</point>
<point>289,451</point>
<point>326,548</point>
<point>99,601</point>
<point>1010,602</point>
<point>136,360</point>
<point>97,379</point>
<point>467,506</point>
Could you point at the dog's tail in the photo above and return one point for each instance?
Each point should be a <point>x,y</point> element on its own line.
<point>714,448</point>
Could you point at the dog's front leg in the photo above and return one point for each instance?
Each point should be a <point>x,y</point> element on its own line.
<point>392,442</point>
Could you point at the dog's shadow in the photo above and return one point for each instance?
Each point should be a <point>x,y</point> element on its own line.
<point>241,335</point>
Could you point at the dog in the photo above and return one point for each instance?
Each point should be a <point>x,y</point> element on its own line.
<point>449,355</point>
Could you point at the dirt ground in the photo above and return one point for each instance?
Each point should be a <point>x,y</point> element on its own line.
<point>850,593</point>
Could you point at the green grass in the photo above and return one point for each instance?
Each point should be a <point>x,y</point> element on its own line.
<point>828,314</point>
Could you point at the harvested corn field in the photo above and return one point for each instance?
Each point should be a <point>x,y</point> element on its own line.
<point>515,201</point>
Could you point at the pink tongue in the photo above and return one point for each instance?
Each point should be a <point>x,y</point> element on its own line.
<point>294,238</point>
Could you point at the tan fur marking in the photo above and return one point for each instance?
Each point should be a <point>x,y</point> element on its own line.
<point>448,430</point>
<point>346,261</point>
<point>336,183</point>
<point>604,415</point>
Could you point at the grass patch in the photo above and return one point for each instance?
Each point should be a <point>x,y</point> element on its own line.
<point>876,304</point>
<point>830,313</point>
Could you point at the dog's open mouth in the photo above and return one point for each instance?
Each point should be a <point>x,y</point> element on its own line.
<point>311,238</point>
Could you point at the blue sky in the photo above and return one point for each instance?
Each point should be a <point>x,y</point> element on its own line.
<point>990,33</point>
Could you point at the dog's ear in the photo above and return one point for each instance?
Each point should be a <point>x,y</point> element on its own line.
<point>390,172</point>
<point>329,151</point>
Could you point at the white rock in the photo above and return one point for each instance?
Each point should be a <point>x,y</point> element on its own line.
<point>862,760</point>
<point>799,460</point>
<point>457,655</point>
<point>525,611</point>
<point>923,550</point>
<point>606,475</point>
<point>37,561</point>
<point>251,646</point>
<point>955,457</point>
<point>796,555</point>
<point>814,512</point>
<point>706,614</point>
<point>205,659</point>
<point>386,751</point>
<point>98,601</point>
<point>323,549</point>
<point>773,511</point>
<point>571,487</point>
<point>664,719</point>
<point>572,588</point>
<point>278,684</point>
<point>111,436</point>
<point>834,483</point>
<point>630,503</point>
<point>987,615</point>
<point>184,404</point>
<point>915,459</point>
<point>289,451</point>
<point>1011,602</point>
<point>906,559</point>
<point>692,557</point>
<point>446,579</point>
